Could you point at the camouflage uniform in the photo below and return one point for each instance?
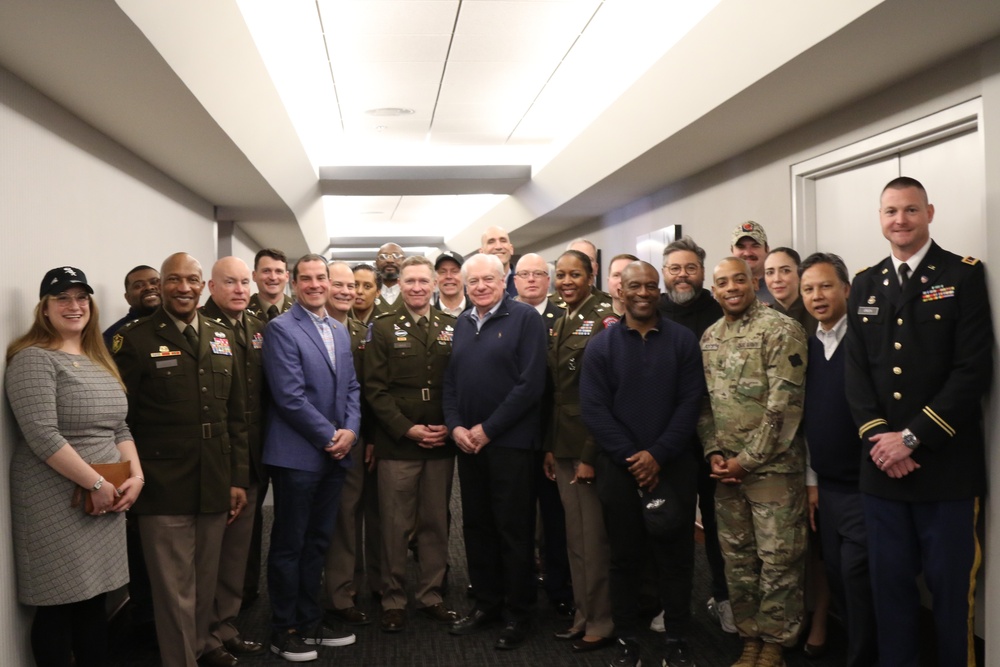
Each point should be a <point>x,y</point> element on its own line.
<point>755,370</point>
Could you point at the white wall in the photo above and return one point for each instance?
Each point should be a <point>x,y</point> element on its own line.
<point>69,195</point>
<point>756,185</point>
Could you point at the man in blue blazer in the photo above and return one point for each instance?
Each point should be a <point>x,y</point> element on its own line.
<point>313,420</point>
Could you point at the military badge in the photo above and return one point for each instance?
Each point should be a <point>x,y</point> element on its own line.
<point>257,341</point>
<point>221,346</point>
<point>116,343</point>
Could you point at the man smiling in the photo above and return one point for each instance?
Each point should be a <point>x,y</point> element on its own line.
<point>755,361</point>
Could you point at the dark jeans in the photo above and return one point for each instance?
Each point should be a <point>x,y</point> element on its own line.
<point>673,555</point>
<point>498,521</point>
<point>305,513</point>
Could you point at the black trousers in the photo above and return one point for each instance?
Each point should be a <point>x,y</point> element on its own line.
<point>673,555</point>
<point>557,582</point>
<point>498,522</point>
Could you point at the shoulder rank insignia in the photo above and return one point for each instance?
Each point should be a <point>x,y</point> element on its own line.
<point>971,261</point>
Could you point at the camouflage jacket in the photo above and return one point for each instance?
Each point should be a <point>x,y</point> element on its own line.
<point>755,370</point>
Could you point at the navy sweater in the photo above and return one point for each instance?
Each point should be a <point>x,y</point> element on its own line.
<point>640,394</point>
<point>496,376</point>
<point>834,450</point>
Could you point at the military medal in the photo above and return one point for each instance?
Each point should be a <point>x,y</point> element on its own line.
<point>221,346</point>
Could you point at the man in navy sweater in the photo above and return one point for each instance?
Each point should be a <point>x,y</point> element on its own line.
<point>832,441</point>
<point>492,397</point>
<point>640,392</point>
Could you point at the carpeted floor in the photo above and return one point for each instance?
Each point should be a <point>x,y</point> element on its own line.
<point>426,644</point>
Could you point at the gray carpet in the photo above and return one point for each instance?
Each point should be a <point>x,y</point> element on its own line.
<point>426,644</point>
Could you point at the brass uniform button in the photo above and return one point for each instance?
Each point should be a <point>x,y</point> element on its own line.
<point>897,395</point>
<point>897,370</point>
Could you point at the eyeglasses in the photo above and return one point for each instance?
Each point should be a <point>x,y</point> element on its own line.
<point>524,275</point>
<point>390,255</point>
<point>65,299</point>
<point>676,269</point>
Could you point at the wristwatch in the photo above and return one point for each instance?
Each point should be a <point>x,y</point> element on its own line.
<point>98,484</point>
<point>910,440</point>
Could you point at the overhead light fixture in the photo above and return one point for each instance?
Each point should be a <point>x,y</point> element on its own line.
<point>390,111</point>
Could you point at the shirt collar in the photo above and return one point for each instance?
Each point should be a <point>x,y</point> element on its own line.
<point>914,261</point>
<point>837,332</point>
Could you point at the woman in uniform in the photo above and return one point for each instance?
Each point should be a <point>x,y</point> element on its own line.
<point>571,453</point>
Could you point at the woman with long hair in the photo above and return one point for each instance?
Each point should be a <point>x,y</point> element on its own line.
<point>70,406</point>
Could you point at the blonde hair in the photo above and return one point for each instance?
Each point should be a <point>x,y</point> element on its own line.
<point>42,334</point>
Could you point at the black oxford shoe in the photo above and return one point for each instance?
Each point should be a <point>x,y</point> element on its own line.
<point>474,622</point>
<point>513,635</point>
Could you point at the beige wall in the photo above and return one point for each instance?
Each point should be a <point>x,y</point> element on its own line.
<point>68,195</point>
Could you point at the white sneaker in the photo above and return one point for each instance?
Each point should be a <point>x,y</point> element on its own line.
<point>656,625</point>
<point>726,620</point>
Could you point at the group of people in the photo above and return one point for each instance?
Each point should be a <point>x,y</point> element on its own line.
<point>612,416</point>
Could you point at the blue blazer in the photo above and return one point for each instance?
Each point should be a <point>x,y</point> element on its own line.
<point>309,400</point>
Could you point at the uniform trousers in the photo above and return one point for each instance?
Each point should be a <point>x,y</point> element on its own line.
<point>305,514</point>
<point>938,539</point>
<point>762,531</point>
<point>498,523</point>
<point>251,579</point>
<point>232,569</point>
<point>632,545</point>
<point>713,552</point>
<point>589,552</point>
<point>413,499</point>
<point>356,534</point>
<point>183,595</point>
<point>552,549</point>
<point>845,554</point>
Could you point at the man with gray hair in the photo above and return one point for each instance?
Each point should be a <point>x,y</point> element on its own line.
<point>496,426</point>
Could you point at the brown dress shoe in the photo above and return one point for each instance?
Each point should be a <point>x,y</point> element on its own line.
<point>349,615</point>
<point>438,612</point>
<point>243,648</point>
<point>393,620</point>
<point>218,657</point>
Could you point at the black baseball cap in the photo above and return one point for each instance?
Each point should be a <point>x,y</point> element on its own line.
<point>58,279</point>
<point>446,255</point>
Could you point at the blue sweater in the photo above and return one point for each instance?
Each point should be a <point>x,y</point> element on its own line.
<point>640,394</point>
<point>834,449</point>
<point>496,376</point>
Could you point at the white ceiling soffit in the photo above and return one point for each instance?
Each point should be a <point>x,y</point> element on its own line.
<point>695,107</point>
<point>209,47</point>
<point>91,59</point>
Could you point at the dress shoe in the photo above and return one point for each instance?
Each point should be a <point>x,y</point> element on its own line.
<point>564,609</point>
<point>474,622</point>
<point>581,646</point>
<point>243,648</point>
<point>513,635</point>
<point>218,657</point>
<point>814,650</point>
<point>569,635</point>
<point>349,615</point>
<point>438,612</point>
<point>393,620</point>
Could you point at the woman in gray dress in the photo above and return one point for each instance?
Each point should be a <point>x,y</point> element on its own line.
<point>70,406</point>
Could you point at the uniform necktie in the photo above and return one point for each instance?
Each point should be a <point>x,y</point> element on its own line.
<point>272,313</point>
<point>422,323</point>
<point>240,337</point>
<point>904,275</point>
<point>192,337</point>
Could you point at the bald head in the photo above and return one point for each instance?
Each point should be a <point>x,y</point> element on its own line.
<point>387,262</point>
<point>531,278</point>
<point>496,241</point>
<point>181,285</point>
<point>230,286</point>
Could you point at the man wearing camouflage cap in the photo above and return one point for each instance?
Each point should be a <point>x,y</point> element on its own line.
<point>750,245</point>
<point>755,361</point>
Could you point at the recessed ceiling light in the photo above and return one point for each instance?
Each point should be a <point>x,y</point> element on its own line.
<point>390,111</point>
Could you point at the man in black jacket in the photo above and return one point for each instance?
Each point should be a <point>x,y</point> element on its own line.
<point>920,360</point>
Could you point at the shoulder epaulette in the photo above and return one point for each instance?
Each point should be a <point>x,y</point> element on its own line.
<point>858,273</point>
<point>379,316</point>
<point>971,261</point>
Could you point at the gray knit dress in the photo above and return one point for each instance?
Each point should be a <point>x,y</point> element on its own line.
<point>63,554</point>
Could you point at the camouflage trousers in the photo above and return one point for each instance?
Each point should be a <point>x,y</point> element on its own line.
<point>762,532</point>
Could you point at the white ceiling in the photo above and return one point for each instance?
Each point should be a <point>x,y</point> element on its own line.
<point>591,95</point>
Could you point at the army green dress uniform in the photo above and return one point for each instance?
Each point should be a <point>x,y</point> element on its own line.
<point>238,549</point>
<point>358,507</point>
<point>571,443</point>
<point>187,415</point>
<point>755,371</point>
<point>265,315</point>
<point>404,373</point>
